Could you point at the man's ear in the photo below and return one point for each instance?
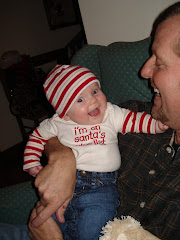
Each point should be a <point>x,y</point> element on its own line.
<point>66,118</point>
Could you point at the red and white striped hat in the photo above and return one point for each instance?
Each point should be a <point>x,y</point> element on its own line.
<point>64,84</point>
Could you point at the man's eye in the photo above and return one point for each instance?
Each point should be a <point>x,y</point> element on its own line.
<point>95,91</point>
<point>80,100</point>
<point>159,65</point>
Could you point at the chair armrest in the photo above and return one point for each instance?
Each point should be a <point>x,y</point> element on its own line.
<point>16,203</point>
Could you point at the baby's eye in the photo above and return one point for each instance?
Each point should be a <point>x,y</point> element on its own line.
<point>95,91</point>
<point>80,100</point>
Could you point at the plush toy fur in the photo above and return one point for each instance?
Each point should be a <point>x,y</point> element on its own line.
<point>126,228</point>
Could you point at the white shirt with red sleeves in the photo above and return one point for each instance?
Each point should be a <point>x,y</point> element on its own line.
<point>95,146</point>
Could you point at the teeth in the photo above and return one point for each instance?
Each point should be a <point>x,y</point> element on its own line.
<point>156,90</point>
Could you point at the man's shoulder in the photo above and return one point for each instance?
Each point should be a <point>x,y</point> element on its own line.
<point>137,106</point>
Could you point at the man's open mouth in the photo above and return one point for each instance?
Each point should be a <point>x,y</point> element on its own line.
<point>156,91</point>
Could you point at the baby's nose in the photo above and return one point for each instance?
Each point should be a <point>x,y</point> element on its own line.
<point>93,99</point>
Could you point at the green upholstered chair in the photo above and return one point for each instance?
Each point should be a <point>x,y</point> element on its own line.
<point>16,203</point>
<point>118,67</point>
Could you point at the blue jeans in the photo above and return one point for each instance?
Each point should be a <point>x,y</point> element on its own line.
<point>94,203</point>
<point>13,232</point>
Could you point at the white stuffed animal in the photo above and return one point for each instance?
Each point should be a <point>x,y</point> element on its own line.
<point>126,228</point>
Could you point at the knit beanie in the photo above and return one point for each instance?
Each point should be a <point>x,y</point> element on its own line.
<point>64,84</point>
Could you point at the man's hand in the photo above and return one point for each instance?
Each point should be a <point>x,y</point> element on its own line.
<point>49,230</point>
<point>55,182</point>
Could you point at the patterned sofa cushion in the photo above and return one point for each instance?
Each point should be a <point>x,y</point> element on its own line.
<point>120,65</point>
<point>16,203</point>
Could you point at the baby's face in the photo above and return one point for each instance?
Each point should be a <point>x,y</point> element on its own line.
<point>89,108</point>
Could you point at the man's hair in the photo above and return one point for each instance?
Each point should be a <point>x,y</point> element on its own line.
<point>169,12</point>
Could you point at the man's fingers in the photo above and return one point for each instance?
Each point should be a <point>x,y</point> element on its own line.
<point>31,236</point>
<point>60,215</point>
<point>61,211</point>
<point>48,230</point>
<point>33,214</point>
<point>39,207</point>
<point>43,215</point>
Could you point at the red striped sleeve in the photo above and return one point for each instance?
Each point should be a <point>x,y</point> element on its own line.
<point>126,122</point>
<point>141,122</point>
<point>30,161</point>
<point>31,154</point>
<point>133,121</point>
<point>149,125</point>
<point>36,131</point>
<point>34,148</point>
<point>35,140</point>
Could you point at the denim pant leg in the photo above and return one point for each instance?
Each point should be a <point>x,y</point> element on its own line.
<point>13,232</point>
<point>96,208</point>
<point>94,203</point>
<point>69,228</point>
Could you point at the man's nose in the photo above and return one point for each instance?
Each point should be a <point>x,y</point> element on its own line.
<point>147,70</point>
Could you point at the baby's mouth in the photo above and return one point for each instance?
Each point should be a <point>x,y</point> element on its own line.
<point>95,112</point>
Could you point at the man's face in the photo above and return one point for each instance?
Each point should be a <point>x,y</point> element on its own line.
<point>90,107</point>
<point>163,69</point>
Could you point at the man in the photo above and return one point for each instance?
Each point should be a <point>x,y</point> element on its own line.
<point>149,183</point>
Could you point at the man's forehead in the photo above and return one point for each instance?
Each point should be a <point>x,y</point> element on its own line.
<point>166,34</point>
<point>157,44</point>
<point>169,28</point>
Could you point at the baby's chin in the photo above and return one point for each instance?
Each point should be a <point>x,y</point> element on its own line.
<point>95,121</point>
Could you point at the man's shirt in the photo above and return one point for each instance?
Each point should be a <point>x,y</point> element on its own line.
<point>149,180</point>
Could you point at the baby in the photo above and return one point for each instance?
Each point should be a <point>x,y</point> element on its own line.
<point>87,123</point>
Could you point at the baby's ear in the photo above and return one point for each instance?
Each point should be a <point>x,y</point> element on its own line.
<point>66,118</point>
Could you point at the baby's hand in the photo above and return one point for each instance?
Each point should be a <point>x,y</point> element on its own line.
<point>34,170</point>
<point>161,127</point>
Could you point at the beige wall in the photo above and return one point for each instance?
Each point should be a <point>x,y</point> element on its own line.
<point>24,27</point>
<point>106,21</point>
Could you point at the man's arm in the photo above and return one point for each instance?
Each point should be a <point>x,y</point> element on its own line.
<point>56,181</point>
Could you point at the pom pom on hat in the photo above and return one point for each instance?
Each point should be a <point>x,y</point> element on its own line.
<point>64,84</point>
